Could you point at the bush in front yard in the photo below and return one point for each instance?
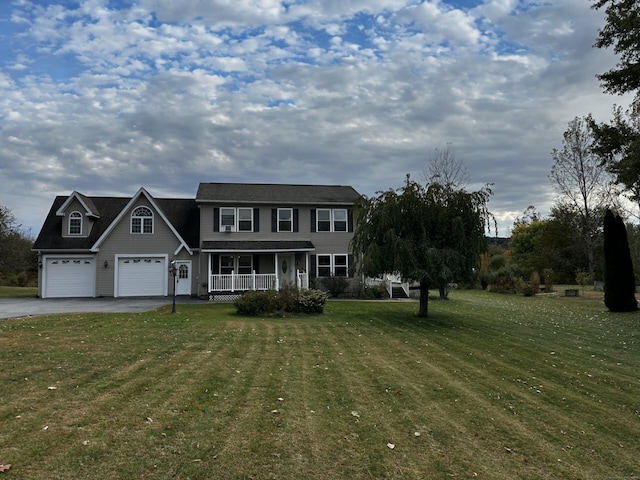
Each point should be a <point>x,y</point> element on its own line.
<point>257,302</point>
<point>335,285</point>
<point>312,301</point>
<point>287,300</point>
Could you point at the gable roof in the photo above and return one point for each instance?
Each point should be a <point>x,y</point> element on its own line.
<point>141,193</point>
<point>88,205</point>
<point>182,214</point>
<point>256,193</point>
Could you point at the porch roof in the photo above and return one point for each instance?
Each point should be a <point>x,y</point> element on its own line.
<point>257,246</point>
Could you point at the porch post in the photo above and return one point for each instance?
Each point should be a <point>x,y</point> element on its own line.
<point>277,268</point>
<point>233,281</point>
<point>253,280</point>
<point>209,275</point>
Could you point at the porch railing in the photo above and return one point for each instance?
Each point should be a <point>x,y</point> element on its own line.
<point>235,282</point>
<point>390,281</point>
<point>241,282</point>
<point>302,280</point>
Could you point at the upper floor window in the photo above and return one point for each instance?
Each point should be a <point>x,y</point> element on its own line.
<point>245,219</point>
<point>227,219</point>
<point>331,220</point>
<point>340,220</point>
<point>75,223</point>
<point>235,219</point>
<point>142,220</point>
<point>324,220</point>
<point>285,220</point>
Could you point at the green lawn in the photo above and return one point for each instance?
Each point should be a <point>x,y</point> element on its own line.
<point>14,292</point>
<point>490,386</point>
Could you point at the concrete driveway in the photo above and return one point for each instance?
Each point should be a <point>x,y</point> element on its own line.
<point>25,307</point>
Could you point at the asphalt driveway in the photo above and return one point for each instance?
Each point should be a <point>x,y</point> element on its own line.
<point>25,307</point>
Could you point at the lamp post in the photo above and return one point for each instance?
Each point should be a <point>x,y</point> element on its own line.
<point>174,271</point>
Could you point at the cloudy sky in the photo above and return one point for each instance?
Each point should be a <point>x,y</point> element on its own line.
<point>106,96</point>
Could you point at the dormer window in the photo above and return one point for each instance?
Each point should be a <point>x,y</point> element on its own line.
<point>142,220</point>
<point>75,223</point>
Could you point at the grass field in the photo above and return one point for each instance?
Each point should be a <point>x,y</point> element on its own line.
<point>489,386</point>
<point>17,292</point>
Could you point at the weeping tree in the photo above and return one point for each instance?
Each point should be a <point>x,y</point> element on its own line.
<point>619,281</point>
<point>428,235</point>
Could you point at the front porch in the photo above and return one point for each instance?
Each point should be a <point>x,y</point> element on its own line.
<point>240,266</point>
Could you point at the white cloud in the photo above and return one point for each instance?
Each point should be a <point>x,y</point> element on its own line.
<point>164,94</point>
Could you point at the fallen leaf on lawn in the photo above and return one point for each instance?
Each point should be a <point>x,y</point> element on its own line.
<point>275,411</point>
<point>355,414</point>
<point>391,446</point>
<point>4,468</point>
<point>52,388</point>
<point>280,399</point>
<point>46,427</point>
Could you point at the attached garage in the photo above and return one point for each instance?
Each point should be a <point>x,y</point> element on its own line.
<point>69,276</point>
<point>141,276</point>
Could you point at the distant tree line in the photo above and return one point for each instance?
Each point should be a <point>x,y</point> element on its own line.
<point>17,262</point>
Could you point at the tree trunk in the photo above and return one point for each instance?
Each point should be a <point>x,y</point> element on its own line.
<point>424,299</point>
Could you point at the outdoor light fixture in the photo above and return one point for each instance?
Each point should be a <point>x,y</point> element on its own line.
<point>173,270</point>
<point>106,264</point>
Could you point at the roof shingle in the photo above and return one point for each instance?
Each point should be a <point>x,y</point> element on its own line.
<point>276,193</point>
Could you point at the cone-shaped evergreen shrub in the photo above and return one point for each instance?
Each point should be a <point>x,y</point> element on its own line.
<point>619,281</point>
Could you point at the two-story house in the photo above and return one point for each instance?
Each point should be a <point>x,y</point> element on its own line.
<point>229,239</point>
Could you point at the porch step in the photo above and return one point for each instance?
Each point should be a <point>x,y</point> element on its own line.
<point>398,292</point>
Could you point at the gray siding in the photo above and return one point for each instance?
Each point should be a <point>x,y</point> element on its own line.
<point>325,242</point>
<point>121,241</point>
<point>87,222</point>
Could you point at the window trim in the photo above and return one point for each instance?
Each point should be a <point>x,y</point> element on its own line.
<point>234,264</point>
<point>222,226</point>
<point>146,221</point>
<point>250,220</point>
<point>318,210</point>
<point>332,220</point>
<point>75,215</point>
<point>290,210</point>
<point>332,266</point>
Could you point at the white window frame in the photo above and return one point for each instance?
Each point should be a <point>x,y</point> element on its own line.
<point>325,221</point>
<point>239,219</point>
<point>332,266</point>
<point>324,266</point>
<point>332,220</point>
<point>290,220</point>
<point>341,266</point>
<point>234,265</point>
<point>226,268</point>
<point>146,223</point>
<point>244,269</point>
<point>75,216</point>
<point>224,222</point>
<point>335,221</point>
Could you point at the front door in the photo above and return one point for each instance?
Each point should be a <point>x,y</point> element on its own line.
<point>287,269</point>
<point>183,277</point>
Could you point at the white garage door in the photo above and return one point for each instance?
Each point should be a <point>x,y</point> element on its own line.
<point>142,276</point>
<point>69,277</point>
